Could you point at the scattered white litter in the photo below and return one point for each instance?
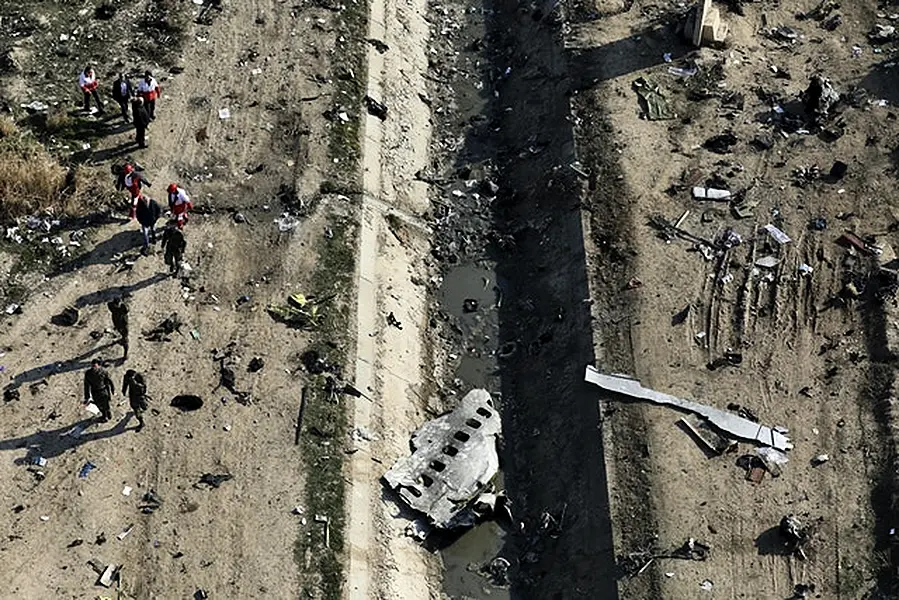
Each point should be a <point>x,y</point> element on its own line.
<point>126,491</point>
<point>224,113</point>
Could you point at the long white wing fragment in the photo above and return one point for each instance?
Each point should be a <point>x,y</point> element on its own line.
<point>728,422</point>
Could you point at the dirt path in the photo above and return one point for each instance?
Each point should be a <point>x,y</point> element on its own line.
<point>237,540</point>
<point>389,363</point>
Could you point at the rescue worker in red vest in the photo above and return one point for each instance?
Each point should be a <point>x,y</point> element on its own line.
<point>134,182</point>
<point>88,84</point>
<point>179,203</point>
<point>149,90</point>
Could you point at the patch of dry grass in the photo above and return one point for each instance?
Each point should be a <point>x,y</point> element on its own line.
<point>32,181</point>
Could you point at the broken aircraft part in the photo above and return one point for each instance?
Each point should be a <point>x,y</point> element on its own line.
<point>454,458</point>
<point>731,424</point>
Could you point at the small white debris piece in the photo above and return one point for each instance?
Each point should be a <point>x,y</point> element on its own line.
<point>45,518</point>
<point>92,409</point>
<point>710,193</point>
<point>769,262</point>
<point>820,459</point>
<point>418,529</point>
<point>773,455</point>
<point>126,491</point>
<point>125,532</point>
<point>224,113</point>
<point>706,585</point>
<point>108,575</point>
<point>779,236</point>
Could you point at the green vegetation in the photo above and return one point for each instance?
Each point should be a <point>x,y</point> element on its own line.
<point>323,451</point>
<point>349,75</point>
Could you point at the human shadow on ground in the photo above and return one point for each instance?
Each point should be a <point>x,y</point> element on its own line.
<point>82,361</point>
<point>54,442</point>
<point>107,294</point>
<point>104,251</point>
<point>122,149</point>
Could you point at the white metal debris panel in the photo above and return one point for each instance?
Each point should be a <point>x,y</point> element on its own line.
<point>454,457</point>
<point>727,422</point>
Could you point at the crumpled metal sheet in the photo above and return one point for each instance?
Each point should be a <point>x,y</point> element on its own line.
<point>454,458</point>
<point>730,423</point>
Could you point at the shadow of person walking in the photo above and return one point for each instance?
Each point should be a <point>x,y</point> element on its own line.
<point>56,368</point>
<point>53,443</point>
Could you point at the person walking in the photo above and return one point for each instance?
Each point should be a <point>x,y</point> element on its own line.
<point>141,121</point>
<point>98,388</point>
<point>135,387</point>
<point>179,203</point>
<point>149,90</point>
<point>88,84</point>
<point>118,308</point>
<point>148,212</point>
<point>173,243</point>
<point>122,91</point>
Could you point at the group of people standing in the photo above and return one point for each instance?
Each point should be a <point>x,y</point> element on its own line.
<point>141,99</point>
<point>98,386</point>
<point>137,104</point>
<point>147,212</point>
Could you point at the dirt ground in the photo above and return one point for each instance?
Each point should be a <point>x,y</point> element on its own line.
<point>269,64</point>
<point>812,354</point>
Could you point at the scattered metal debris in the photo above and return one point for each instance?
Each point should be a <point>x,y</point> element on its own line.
<point>794,535</point>
<point>150,502</point>
<point>707,437</point>
<point>213,481</point>
<point>734,425</point>
<point>637,562</point>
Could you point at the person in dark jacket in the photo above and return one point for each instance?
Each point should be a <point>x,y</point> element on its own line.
<point>118,308</point>
<point>122,91</point>
<point>148,212</point>
<point>173,243</point>
<point>98,388</point>
<point>141,121</point>
<point>135,387</point>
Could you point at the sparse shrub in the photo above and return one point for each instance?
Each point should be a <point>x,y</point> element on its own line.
<point>32,181</point>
